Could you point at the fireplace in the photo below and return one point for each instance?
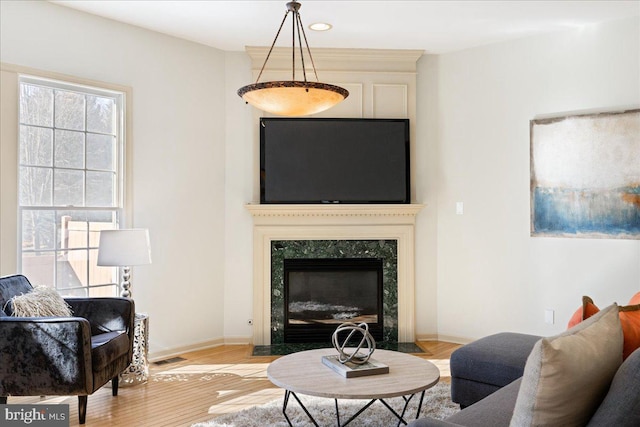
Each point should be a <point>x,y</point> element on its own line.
<point>333,231</point>
<point>322,293</point>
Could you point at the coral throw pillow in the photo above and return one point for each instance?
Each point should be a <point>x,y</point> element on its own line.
<point>587,310</point>
<point>629,319</point>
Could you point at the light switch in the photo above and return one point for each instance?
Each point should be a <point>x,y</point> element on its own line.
<point>459,208</point>
<point>549,316</point>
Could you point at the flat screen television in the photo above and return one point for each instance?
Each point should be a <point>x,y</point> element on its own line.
<point>324,160</point>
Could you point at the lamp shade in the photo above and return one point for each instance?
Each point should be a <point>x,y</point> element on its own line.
<point>127,247</point>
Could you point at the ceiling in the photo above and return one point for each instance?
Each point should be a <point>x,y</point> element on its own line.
<point>433,26</point>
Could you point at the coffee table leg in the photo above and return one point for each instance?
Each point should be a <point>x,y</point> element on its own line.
<point>284,407</point>
<point>288,393</point>
<point>400,417</point>
<point>420,404</point>
<point>354,416</point>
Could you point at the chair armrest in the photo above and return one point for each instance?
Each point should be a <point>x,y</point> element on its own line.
<point>45,356</point>
<point>105,314</point>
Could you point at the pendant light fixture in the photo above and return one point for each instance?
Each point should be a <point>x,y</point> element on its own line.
<point>293,97</point>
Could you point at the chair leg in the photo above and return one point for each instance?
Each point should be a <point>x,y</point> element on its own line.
<point>3,400</point>
<point>114,385</point>
<point>82,408</point>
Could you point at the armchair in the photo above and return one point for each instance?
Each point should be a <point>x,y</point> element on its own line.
<point>64,355</point>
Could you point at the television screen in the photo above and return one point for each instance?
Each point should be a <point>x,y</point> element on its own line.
<point>320,160</point>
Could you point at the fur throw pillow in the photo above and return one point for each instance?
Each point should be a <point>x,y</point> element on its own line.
<point>41,302</point>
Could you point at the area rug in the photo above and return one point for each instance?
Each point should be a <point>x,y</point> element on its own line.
<point>437,404</point>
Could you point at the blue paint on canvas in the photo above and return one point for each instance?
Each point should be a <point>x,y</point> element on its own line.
<point>576,211</point>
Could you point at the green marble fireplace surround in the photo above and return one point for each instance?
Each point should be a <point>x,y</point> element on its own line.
<point>387,250</point>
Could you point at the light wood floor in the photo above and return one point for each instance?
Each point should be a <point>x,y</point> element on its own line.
<point>205,384</point>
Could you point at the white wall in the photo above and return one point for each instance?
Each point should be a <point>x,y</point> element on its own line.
<point>473,116</point>
<point>177,157</point>
<point>241,163</point>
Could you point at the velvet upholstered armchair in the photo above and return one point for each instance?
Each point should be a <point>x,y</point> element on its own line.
<point>76,355</point>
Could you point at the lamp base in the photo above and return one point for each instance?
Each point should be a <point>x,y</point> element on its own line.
<point>125,286</point>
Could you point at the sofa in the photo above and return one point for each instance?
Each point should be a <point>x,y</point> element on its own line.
<point>73,354</point>
<point>487,376</point>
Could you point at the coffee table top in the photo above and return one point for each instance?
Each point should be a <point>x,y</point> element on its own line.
<point>304,373</point>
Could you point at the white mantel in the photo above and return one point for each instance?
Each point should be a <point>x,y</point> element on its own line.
<point>332,222</point>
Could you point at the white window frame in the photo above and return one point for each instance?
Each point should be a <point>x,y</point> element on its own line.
<point>120,99</point>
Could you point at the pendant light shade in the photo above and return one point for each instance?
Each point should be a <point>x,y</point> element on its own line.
<point>293,97</point>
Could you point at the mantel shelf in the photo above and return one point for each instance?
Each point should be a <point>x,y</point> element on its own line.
<point>334,210</point>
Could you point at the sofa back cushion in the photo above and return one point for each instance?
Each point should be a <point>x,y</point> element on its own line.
<point>11,286</point>
<point>621,406</point>
<point>567,376</point>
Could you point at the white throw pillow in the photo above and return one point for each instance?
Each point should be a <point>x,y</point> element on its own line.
<point>567,376</point>
<point>41,302</point>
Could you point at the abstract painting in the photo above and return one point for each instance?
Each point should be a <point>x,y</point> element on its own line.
<point>585,176</point>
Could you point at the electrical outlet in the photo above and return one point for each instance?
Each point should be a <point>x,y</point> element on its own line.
<point>459,208</point>
<point>250,322</point>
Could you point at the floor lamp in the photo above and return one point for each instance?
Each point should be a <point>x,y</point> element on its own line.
<point>125,248</point>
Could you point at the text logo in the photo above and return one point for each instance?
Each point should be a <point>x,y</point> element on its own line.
<point>35,415</point>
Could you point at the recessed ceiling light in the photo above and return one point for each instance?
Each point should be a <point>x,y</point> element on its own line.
<point>320,26</point>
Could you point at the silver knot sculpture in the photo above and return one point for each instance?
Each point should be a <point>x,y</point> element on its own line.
<point>355,357</point>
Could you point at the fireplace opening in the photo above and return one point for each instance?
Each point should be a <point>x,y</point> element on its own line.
<point>320,294</point>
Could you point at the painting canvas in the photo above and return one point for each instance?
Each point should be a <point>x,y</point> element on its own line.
<point>585,176</point>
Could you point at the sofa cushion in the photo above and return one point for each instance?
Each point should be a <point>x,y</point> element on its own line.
<point>567,376</point>
<point>107,347</point>
<point>621,406</point>
<point>497,359</point>
<point>494,410</point>
<point>42,301</point>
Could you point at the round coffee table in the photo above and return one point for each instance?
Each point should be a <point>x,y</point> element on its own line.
<point>304,373</point>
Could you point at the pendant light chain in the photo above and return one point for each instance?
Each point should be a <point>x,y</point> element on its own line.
<point>308,51</point>
<point>299,21</point>
<point>293,45</point>
<point>273,44</point>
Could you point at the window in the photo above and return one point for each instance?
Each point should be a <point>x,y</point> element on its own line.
<point>70,183</point>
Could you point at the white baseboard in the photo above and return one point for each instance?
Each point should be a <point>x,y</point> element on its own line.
<point>176,351</point>
<point>454,339</point>
<point>427,337</point>
<point>172,352</point>
<point>237,340</point>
